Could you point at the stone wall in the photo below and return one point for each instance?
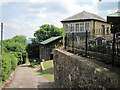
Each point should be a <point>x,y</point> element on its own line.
<point>72,71</point>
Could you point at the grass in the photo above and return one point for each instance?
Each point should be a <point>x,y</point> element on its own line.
<point>49,70</point>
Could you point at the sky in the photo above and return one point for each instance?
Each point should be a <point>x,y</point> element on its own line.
<point>24,17</point>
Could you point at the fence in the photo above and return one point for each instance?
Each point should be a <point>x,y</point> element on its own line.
<point>102,47</point>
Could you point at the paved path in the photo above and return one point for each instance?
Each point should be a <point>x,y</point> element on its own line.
<point>26,77</point>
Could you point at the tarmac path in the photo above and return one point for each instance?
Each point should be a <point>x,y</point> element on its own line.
<point>26,77</point>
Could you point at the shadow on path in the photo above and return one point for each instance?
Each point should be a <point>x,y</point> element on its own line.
<point>46,85</point>
<point>47,71</point>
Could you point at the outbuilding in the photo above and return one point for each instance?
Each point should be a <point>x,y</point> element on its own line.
<point>46,47</point>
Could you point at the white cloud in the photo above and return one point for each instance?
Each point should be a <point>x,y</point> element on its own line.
<point>75,8</point>
<point>95,1</point>
<point>18,27</point>
<point>2,3</point>
<point>110,0</point>
<point>29,22</point>
<point>33,1</point>
<point>41,1</point>
<point>111,11</point>
<point>31,9</point>
<point>24,25</point>
<point>41,15</point>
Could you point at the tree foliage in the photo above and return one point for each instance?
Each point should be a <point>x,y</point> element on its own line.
<point>16,44</point>
<point>20,39</point>
<point>46,31</point>
<point>33,50</point>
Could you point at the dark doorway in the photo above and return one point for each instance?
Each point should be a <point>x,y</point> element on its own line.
<point>51,56</point>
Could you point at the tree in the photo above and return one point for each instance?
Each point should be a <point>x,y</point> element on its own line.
<point>16,45</point>
<point>20,39</point>
<point>45,31</point>
<point>33,50</point>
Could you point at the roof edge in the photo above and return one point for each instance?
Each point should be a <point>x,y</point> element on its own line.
<point>83,20</point>
<point>56,38</point>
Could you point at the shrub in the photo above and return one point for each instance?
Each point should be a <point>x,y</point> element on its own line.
<point>6,66</point>
<point>14,62</point>
<point>9,63</point>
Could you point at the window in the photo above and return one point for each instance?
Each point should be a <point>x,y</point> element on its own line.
<point>81,27</point>
<point>87,27</point>
<point>77,27</point>
<point>72,27</point>
<point>67,28</point>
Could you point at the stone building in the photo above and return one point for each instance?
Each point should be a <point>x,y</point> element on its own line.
<point>46,47</point>
<point>85,21</point>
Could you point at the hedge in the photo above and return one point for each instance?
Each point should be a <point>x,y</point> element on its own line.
<point>9,63</point>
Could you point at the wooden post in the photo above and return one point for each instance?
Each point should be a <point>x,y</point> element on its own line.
<point>1,36</point>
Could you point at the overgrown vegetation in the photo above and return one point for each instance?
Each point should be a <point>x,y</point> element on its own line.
<point>14,53</point>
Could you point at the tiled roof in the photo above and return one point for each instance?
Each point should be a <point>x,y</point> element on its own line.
<point>50,40</point>
<point>84,16</point>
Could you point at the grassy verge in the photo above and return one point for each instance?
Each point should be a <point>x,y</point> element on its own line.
<point>49,70</point>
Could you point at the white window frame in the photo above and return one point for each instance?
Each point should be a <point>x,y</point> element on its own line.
<point>87,27</point>
<point>81,27</point>
<point>75,27</point>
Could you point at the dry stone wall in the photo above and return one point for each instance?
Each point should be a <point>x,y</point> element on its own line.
<point>72,71</point>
